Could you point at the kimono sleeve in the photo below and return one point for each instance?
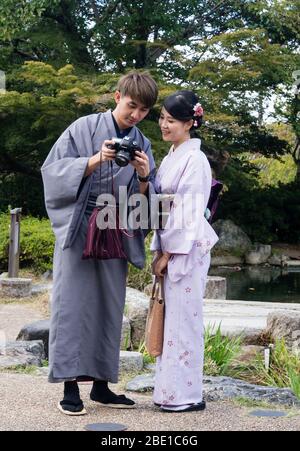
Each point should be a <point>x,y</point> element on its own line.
<point>63,172</point>
<point>185,224</point>
<point>63,176</point>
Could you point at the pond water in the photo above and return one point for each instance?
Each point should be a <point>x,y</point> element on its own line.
<point>265,284</point>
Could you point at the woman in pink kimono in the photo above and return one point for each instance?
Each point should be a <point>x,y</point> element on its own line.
<point>183,255</point>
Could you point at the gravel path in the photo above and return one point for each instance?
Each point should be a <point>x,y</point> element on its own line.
<point>29,403</point>
<point>14,316</point>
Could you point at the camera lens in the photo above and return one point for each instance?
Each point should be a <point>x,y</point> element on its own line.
<point>122,158</point>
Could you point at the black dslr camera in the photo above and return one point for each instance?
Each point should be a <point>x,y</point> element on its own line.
<point>125,150</point>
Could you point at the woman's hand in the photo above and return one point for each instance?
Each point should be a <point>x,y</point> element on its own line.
<point>161,265</point>
<point>156,257</point>
<point>141,163</point>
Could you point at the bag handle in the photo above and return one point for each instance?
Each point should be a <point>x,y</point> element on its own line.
<point>158,289</point>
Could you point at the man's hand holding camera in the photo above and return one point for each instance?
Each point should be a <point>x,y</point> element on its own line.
<point>126,152</point>
<point>122,151</point>
<point>141,163</point>
<point>107,153</point>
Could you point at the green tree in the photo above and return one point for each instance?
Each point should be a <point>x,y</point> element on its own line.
<point>50,31</point>
<point>31,120</point>
<point>112,34</point>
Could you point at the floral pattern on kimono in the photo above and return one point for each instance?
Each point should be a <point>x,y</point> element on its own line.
<point>179,370</point>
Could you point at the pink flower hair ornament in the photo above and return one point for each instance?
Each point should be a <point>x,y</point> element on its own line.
<point>198,110</point>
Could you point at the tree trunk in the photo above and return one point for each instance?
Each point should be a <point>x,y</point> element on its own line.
<point>296,157</point>
<point>141,58</point>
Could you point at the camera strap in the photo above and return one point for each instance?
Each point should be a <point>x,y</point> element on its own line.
<point>110,174</point>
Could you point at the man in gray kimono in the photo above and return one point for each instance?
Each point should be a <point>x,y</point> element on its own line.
<point>89,294</point>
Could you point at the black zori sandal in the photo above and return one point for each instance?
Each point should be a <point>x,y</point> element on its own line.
<point>104,396</point>
<point>114,401</point>
<point>71,408</point>
<point>71,404</point>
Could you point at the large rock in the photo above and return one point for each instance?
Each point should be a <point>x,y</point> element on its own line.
<point>41,288</point>
<point>226,260</point>
<point>278,260</point>
<point>22,353</point>
<point>40,331</point>
<point>142,383</point>
<point>137,304</point>
<point>131,362</point>
<point>258,254</point>
<point>285,325</point>
<point>126,334</point>
<point>48,275</point>
<point>36,331</point>
<point>16,287</point>
<point>223,388</point>
<point>215,288</point>
<point>232,239</point>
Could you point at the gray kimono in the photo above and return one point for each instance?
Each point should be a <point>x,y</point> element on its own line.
<point>88,295</point>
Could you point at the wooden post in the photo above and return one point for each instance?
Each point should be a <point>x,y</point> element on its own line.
<point>14,243</point>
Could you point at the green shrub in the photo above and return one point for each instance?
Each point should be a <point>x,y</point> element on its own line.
<point>36,243</point>
<point>265,213</point>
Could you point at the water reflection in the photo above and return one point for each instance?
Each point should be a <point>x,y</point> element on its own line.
<point>259,283</point>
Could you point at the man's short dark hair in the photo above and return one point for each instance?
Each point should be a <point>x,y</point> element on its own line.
<point>140,86</point>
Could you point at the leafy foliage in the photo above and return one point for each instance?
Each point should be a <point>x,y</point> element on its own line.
<point>239,56</point>
<point>219,351</point>
<point>283,371</point>
<point>36,243</point>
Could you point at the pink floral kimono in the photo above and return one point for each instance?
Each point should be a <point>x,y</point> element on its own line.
<point>186,173</point>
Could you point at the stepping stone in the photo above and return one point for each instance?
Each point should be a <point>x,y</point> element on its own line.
<point>16,287</point>
<point>38,330</point>
<point>267,413</point>
<point>41,288</point>
<point>131,362</point>
<point>98,427</point>
<point>21,353</point>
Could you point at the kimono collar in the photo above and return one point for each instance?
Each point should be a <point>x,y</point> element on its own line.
<point>190,144</point>
<point>111,129</point>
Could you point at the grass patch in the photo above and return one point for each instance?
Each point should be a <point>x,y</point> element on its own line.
<point>219,351</point>
<point>147,358</point>
<point>38,302</point>
<point>21,369</point>
<point>283,371</point>
<point>251,403</point>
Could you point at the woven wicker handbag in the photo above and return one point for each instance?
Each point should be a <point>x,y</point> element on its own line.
<point>154,335</point>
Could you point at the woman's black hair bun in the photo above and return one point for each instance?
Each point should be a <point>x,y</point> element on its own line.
<point>185,106</point>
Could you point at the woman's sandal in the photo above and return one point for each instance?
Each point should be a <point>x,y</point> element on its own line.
<point>191,408</point>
